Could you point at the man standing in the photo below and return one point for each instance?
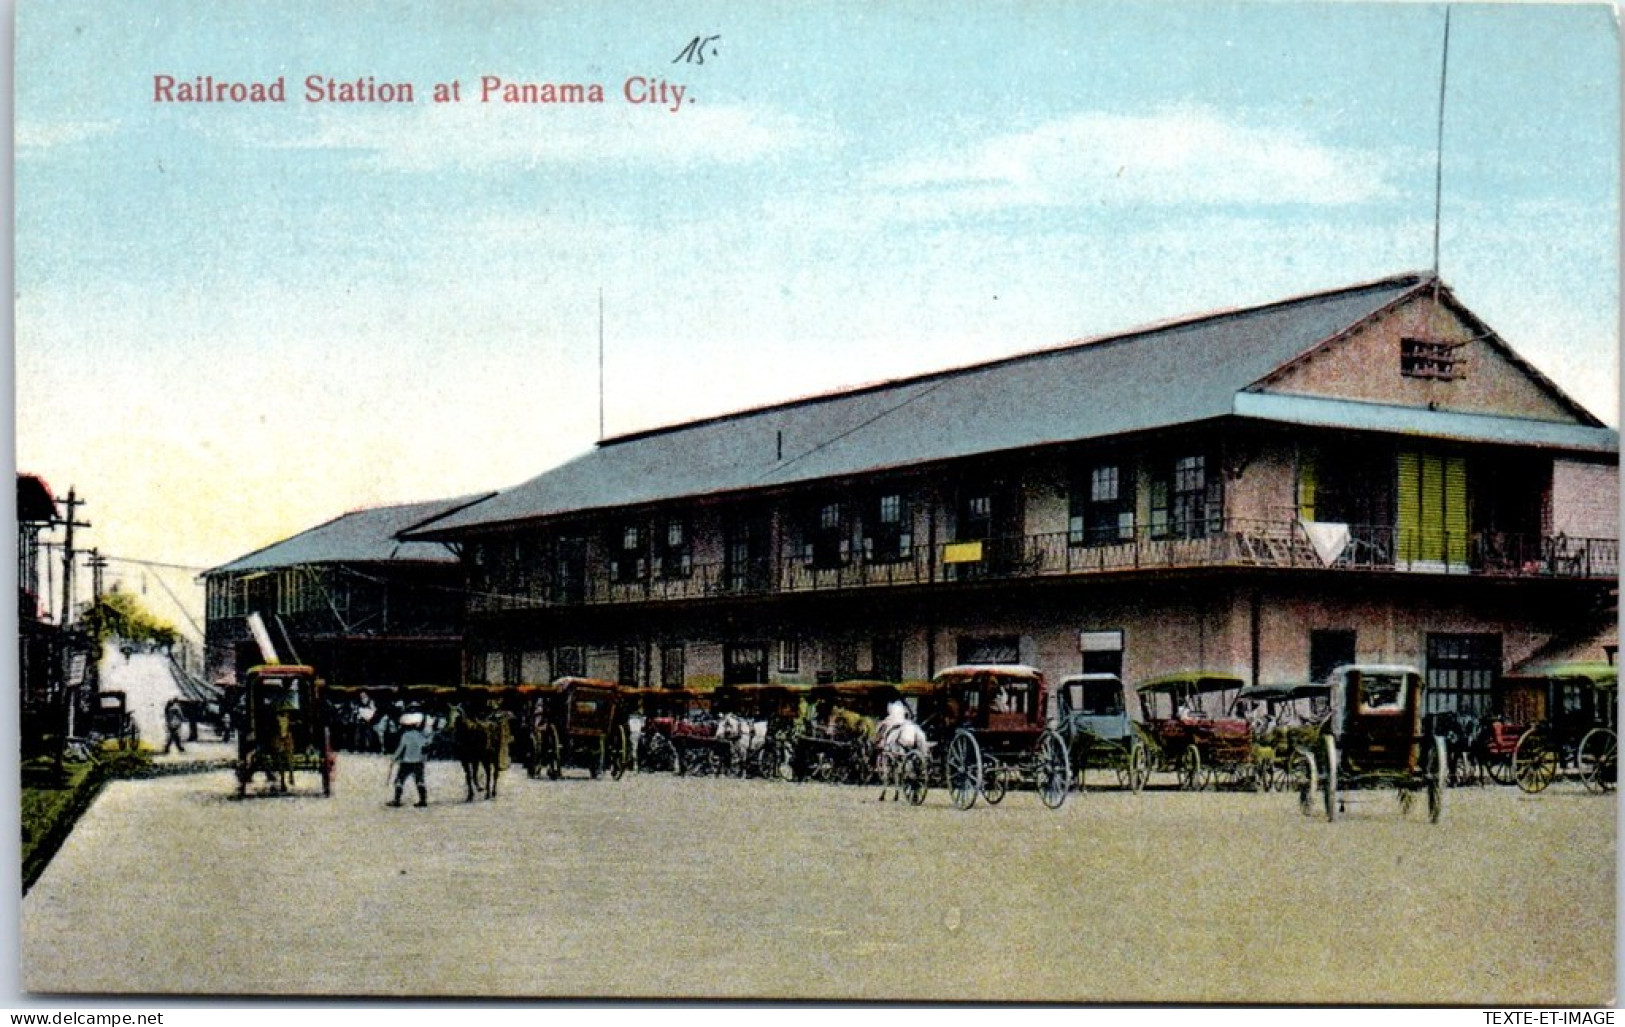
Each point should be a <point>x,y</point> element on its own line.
<point>409,756</point>
<point>173,721</point>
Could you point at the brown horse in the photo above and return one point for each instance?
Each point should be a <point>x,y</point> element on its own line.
<point>482,749</point>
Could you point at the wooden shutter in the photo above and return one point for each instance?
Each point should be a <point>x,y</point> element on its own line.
<point>1409,515</point>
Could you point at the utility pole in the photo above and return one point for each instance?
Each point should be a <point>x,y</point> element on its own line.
<point>98,563</point>
<point>67,556</point>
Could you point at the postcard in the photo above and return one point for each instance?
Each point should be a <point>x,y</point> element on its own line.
<point>1092,504</point>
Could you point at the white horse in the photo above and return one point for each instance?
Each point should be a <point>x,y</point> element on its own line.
<point>895,737</point>
<point>745,738</point>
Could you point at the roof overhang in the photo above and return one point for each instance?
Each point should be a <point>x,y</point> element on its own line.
<point>1321,412</point>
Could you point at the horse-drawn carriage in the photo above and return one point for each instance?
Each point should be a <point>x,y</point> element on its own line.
<point>1282,719</point>
<point>111,722</point>
<point>1093,720</point>
<point>834,744</point>
<point>1000,734</point>
<point>1190,718</point>
<point>284,728</point>
<point>762,723</point>
<point>1374,737</point>
<point>1554,720</point>
<point>578,722</point>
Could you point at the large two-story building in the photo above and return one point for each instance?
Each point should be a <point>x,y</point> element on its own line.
<point>1369,473</point>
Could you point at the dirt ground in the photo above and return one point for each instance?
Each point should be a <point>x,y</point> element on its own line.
<point>656,886</point>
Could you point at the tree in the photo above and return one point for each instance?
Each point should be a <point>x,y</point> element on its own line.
<point>122,614</point>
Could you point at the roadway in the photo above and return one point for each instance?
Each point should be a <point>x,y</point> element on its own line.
<point>656,886</point>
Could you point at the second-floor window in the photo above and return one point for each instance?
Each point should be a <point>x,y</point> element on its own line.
<point>1183,502</point>
<point>628,559</point>
<point>1102,506</point>
<point>824,542</point>
<point>889,536</point>
<point>676,552</point>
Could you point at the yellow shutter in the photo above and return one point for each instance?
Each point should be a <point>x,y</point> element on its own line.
<point>1455,509</point>
<point>1410,507</point>
<point>1308,486</point>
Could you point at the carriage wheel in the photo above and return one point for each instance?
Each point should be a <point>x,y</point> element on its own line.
<point>554,752</point>
<point>1598,758</point>
<point>1305,778</point>
<point>1333,800</point>
<point>1139,764</point>
<point>963,769</point>
<point>781,760</point>
<point>620,752</point>
<point>1499,769</point>
<point>1438,768</point>
<point>994,784</point>
<point>1534,763</point>
<point>1054,770</point>
<point>914,778</point>
<point>1190,770</point>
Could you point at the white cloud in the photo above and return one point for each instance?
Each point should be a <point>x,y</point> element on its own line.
<point>44,135</point>
<point>472,135</point>
<point>1175,157</point>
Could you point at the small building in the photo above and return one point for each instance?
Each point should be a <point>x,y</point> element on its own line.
<point>1369,473</point>
<point>347,597</point>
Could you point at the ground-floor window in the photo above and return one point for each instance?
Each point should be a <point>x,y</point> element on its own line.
<point>512,662</point>
<point>744,664</point>
<point>671,666</point>
<point>626,666</point>
<point>886,655</point>
<point>1328,650</point>
<point>1461,669</point>
<point>569,661</point>
<point>789,656</point>
<point>990,649</point>
<point>1102,652</point>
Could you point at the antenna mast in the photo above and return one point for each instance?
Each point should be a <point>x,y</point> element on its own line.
<point>1438,157</point>
<point>601,361</point>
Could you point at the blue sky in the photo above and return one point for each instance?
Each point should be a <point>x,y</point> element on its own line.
<point>366,304</point>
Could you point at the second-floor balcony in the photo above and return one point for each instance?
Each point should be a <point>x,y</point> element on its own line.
<point>1279,545</point>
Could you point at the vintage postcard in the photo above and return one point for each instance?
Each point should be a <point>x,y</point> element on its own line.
<point>1107,503</point>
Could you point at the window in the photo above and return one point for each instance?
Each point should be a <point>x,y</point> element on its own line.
<point>671,666</point>
<point>824,543</point>
<point>886,656</point>
<point>890,537</point>
<point>1329,650</point>
<point>789,656</point>
<point>744,664</point>
<point>1102,507</point>
<point>1183,501</point>
<point>995,649</point>
<point>676,555</point>
<point>1102,651</point>
<point>1432,358</point>
<point>628,562</point>
<point>569,661</point>
<point>626,666</point>
<point>1460,671</point>
<point>511,664</point>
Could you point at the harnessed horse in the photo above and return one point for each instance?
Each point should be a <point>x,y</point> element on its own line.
<point>482,748</point>
<point>895,738</point>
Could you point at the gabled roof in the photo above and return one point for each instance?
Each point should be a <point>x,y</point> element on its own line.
<point>362,536</point>
<point>1179,373</point>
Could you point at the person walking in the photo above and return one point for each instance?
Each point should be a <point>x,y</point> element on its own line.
<point>174,720</point>
<point>409,752</point>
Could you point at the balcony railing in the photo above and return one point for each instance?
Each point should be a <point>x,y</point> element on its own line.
<point>1237,543</point>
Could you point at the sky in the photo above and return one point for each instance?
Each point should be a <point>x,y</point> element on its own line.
<point>235,321</point>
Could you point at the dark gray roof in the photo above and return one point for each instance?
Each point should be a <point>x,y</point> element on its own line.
<point>363,536</point>
<point>1179,373</point>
